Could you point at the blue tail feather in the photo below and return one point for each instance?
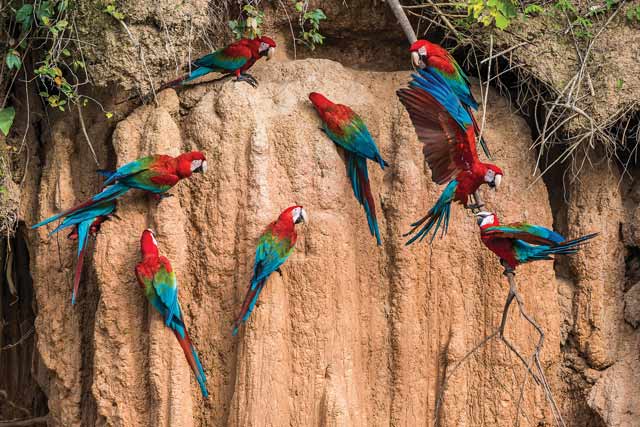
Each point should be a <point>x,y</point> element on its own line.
<point>438,215</point>
<point>198,72</point>
<point>359,176</point>
<point>200,376</point>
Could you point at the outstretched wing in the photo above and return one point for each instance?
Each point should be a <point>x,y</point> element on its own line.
<point>229,58</point>
<point>448,138</point>
<point>166,287</point>
<point>533,234</point>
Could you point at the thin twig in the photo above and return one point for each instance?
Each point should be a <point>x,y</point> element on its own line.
<point>86,135</point>
<point>403,20</point>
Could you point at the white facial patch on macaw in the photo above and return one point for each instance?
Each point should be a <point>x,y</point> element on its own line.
<point>264,47</point>
<point>485,218</point>
<point>416,57</point>
<point>298,215</point>
<point>197,164</point>
<point>489,176</point>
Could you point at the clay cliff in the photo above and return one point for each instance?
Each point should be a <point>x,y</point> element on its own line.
<point>350,334</point>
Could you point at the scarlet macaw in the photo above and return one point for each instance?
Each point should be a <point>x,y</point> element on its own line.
<point>345,128</point>
<point>425,54</point>
<point>234,59</point>
<point>274,247</point>
<point>84,223</point>
<point>445,128</point>
<point>155,174</point>
<point>519,243</point>
<point>158,280</point>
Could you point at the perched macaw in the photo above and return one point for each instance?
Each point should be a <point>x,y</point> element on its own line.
<point>85,222</point>
<point>274,247</point>
<point>445,128</point>
<point>234,59</point>
<point>158,280</point>
<point>155,174</point>
<point>345,128</point>
<point>429,55</point>
<point>519,243</point>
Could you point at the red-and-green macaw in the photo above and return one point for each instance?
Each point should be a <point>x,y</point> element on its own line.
<point>155,174</point>
<point>274,247</point>
<point>445,128</point>
<point>158,280</point>
<point>519,243</point>
<point>429,55</point>
<point>345,128</point>
<point>234,59</point>
<point>85,222</point>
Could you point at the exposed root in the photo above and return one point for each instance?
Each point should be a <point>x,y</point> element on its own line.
<point>533,367</point>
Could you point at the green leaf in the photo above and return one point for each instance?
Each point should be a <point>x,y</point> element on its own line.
<point>619,84</point>
<point>6,119</point>
<point>501,21</point>
<point>13,60</point>
<point>24,16</point>
<point>533,9</point>
<point>315,15</point>
<point>108,114</point>
<point>299,6</point>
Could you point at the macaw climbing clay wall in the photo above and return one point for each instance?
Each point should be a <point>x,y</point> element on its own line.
<point>351,334</point>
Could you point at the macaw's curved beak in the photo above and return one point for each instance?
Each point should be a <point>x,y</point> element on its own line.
<point>417,60</point>
<point>270,53</point>
<point>496,181</point>
<point>303,217</point>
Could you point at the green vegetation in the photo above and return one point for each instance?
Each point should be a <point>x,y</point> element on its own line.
<point>310,24</point>
<point>249,25</point>
<point>486,12</point>
<point>633,14</point>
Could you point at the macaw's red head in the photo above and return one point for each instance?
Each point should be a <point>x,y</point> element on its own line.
<point>493,176</point>
<point>188,163</point>
<point>267,47</point>
<point>148,244</point>
<point>320,102</point>
<point>487,219</point>
<point>295,214</point>
<point>421,50</point>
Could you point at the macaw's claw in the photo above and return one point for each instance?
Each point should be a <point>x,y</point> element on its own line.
<point>475,207</point>
<point>247,78</point>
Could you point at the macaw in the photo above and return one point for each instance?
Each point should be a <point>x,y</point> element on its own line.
<point>85,222</point>
<point>274,247</point>
<point>158,280</point>
<point>155,174</point>
<point>519,243</point>
<point>429,55</point>
<point>234,59</point>
<point>346,129</point>
<point>445,128</point>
